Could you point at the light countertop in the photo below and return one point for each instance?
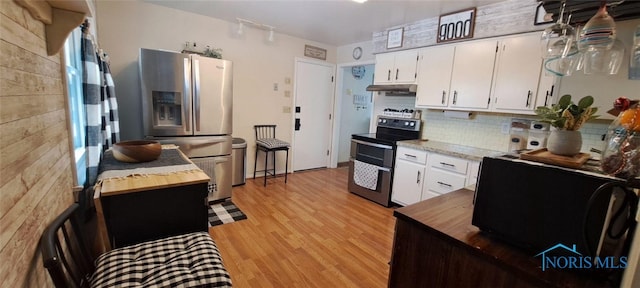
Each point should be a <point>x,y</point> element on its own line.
<point>455,150</point>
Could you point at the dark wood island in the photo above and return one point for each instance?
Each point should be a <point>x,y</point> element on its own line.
<point>435,245</point>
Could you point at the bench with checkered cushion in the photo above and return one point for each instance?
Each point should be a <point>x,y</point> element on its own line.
<point>272,143</point>
<point>190,260</point>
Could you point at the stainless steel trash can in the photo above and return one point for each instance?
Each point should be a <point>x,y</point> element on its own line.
<point>238,161</point>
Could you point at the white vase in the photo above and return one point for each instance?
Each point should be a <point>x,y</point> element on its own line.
<point>564,142</point>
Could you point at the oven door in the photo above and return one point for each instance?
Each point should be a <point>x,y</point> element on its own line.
<point>380,157</point>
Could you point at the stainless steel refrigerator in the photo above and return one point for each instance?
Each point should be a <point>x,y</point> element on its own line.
<point>187,101</point>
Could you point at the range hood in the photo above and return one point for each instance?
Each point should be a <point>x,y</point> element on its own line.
<point>395,89</point>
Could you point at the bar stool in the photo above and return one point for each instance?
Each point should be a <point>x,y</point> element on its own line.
<point>266,141</point>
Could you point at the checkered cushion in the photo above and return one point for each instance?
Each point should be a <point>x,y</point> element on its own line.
<point>190,260</point>
<point>272,143</point>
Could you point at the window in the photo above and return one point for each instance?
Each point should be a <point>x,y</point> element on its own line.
<point>73,65</point>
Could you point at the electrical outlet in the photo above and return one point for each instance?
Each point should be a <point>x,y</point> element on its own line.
<point>287,80</point>
<point>505,128</point>
<point>286,109</point>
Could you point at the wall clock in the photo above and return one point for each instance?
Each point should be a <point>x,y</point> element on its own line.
<point>357,53</point>
<point>357,72</point>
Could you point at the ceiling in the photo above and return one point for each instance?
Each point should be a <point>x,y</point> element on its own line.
<point>334,22</point>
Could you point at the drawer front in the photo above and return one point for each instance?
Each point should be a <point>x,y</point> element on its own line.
<point>444,182</point>
<point>413,155</point>
<point>452,164</point>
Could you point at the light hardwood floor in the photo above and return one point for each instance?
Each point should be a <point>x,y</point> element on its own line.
<point>310,232</point>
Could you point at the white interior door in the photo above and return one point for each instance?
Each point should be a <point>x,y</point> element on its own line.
<point>313,96</point>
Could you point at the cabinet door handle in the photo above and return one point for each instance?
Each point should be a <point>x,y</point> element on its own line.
<point>455,97</point>
<point>444,184</point>
<point>389,75</point>
<point>444,93</point>
<point>447,164</point>
<point>411,156</point>
<point>546,98</point>
<point>528,98</point>
<point>418,178</point>
<point>397,71</point>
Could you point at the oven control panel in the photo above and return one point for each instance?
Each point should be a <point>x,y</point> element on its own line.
<point>399,123</point>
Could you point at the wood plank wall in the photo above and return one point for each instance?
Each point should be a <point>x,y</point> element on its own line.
<point>502,18</point>
<point>35,163</point>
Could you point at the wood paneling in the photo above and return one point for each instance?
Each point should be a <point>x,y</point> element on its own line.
<point>35,163</point>
<point>310,232</point>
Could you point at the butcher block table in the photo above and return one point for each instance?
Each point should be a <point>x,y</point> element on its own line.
<point>435,245</point>
<point>137,202</point>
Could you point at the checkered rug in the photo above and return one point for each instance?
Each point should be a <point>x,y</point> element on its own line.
<point>224,212</point>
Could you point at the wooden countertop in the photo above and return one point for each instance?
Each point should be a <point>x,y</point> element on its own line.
<point>449,216</point>
<point>142,182</point>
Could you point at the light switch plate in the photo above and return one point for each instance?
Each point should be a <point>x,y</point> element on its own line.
<point>287,93</point>
<point>286,109</point>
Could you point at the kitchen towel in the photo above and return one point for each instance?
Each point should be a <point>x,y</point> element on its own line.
<point>365,175</point>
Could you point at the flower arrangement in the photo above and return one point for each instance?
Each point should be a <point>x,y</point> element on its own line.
<point>566,115</point>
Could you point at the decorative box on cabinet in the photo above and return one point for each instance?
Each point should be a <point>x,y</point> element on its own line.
<point>396,67</point>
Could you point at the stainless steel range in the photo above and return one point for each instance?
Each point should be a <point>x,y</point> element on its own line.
<point>373,156</point>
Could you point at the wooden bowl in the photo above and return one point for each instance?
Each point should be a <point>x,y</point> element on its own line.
<point>137,151</point>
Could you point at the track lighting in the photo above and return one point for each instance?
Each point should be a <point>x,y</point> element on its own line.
<point>271,35</point>
<point>240,28</point>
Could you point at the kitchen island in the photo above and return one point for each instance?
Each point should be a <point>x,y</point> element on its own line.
<point>435,245</point>
<point>137,202</point>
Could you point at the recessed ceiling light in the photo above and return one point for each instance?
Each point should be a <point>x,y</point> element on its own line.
<point>359,1</point>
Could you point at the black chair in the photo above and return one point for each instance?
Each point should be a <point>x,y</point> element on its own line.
<point>266,141</point>
<point>189,260</point>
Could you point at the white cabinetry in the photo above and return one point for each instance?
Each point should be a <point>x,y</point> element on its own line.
<point>472,74</point>
<point>434,78</point>
<point>396,67</point>
<point>420,175</point>
<point>517,73</point>
<point>460,76</point>
<point>408,176</point>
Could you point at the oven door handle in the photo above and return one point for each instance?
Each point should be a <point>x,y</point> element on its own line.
<point>372,144</point>
<point>384,169</point>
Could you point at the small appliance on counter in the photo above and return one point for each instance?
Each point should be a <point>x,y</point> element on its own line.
<point>537,206</point>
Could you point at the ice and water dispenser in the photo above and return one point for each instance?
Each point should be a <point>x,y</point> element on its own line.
<point>167,107</point>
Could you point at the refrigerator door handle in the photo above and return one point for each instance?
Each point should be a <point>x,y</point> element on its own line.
<point>187,89</point>
<point>196,93</point>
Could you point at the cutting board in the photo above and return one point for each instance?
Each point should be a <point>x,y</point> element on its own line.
<point>544,156</point>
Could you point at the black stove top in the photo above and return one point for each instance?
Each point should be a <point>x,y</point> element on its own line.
<point>385,139</point>
<point>390,130</point>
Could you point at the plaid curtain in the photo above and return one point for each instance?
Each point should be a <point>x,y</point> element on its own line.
<point>102,128</point>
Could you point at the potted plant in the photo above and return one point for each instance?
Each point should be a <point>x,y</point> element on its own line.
<point>567,117</point>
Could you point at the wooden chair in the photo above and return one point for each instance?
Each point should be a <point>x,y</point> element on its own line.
<point>189,260</point>
<point>266,141</point>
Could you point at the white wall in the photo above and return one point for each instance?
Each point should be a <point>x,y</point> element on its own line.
<point>127,26</point>
<point>353,118</point>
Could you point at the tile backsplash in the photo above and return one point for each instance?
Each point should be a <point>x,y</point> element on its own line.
<point>484,130</point>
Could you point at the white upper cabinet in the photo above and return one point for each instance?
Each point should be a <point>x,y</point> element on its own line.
<point>517,73</point>
<point>456,77</point>
<point>434,76</point>
<point>396,67</point>
<point>472,74</point>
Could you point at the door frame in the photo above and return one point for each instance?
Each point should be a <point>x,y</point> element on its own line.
<point>337,110</point>
<point>293,106</point>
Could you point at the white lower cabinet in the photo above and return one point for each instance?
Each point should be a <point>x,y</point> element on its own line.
<point>408,176</point>
<point>420,175</point>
